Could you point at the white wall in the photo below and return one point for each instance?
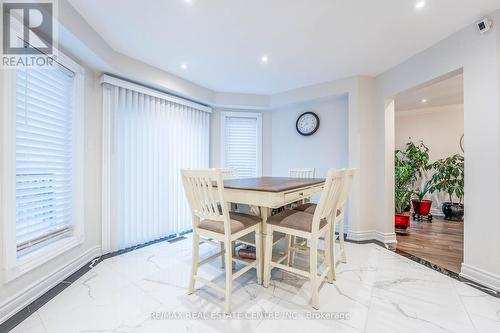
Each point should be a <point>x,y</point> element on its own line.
<point>482,133</point>
<point>440,128</point>
<point>365,151</point>
<point>325,149</point>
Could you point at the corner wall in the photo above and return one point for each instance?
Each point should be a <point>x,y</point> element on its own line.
<point>479,56</point>
<point>327,148</point>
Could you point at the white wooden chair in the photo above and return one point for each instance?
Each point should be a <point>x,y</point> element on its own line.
<point>213,221</point>
<point>339,217</point>
<point>301,172</point>
<point>310,227</point>
<point>291,240</point>
<point>229,173</point>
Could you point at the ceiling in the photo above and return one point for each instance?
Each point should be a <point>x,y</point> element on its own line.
<point>306,41</point>
<point>449,91</point>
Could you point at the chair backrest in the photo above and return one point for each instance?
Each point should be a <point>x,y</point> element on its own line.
<point>301,172</point>
<point>229,173</point>
<point>205,193</point>
<point>329,200</point>
<point>346,187</point>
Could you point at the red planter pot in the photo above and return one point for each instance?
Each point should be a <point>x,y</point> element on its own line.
<point>421,207</point>
<point>402,221</point>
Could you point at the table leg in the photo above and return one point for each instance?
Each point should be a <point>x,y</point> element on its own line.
<point>265,212</point>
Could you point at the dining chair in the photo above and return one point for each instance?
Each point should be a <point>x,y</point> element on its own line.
<point>212,220</point>
<point>301,172</point>
<point>339,216</point>
<point>292,241</point>
<point>228,173</point>
<point>310,227</point>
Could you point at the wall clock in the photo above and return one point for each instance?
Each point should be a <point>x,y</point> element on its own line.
<point>307,123</point>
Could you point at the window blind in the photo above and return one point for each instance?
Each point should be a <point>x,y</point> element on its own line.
<point>44,154</point>
<point>153,138</point>
<point>241,145</point>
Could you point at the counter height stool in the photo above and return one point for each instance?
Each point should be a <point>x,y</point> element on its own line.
<point>301,172</point>
<point>212,220</point>
<point>339,216</point>
<point>310,227</point>
<point>291,241</point>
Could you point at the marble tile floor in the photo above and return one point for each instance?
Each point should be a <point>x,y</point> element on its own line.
<point>376,291</point>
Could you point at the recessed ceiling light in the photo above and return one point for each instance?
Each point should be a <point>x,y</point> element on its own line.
<point>420,5</point>
<point>424,100</point>
<point>264,59</point>
<point>184,66</point>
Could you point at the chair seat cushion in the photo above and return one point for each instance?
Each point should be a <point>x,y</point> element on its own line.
<point>307,208</point>
<point>310,208</point>
<point>294,219</point>
<point>239,221</point>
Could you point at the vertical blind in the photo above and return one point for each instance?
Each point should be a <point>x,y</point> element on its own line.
<point>241,145</point>
<point>153,139</point>
<point>44,154</point>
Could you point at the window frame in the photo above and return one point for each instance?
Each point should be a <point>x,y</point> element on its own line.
<point>13,265</point>
<point>226,114</point>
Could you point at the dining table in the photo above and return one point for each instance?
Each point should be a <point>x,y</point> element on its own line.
<point>268,193</point>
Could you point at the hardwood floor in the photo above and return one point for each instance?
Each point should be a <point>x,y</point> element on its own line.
<point>440,242</point>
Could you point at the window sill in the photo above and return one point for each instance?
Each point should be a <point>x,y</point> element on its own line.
<point>39,257</point>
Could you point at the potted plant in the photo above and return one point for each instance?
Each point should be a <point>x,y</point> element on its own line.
<point>449,178</point>
<point>404,175</point>
<point>418,157</point>
<point>421,206</point>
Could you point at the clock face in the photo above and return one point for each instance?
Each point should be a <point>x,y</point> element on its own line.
<point>307,123</point>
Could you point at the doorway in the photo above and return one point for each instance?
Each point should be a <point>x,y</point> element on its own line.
<point>429,135</point>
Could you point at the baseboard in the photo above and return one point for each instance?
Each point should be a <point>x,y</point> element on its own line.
<point>359,236</point>
<point>480,276</point>
<point>386,237</point>
<point>20,300</point>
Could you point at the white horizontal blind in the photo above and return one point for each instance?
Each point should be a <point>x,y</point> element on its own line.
<point>241,145</point>
<point>154,138</point>
<point>44,154</point>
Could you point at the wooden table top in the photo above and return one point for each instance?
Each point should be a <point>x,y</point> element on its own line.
<point>271,184</point>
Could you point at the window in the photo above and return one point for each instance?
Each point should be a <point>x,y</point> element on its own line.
<point>42,178</point>
<point>149,136</point>
<point>44,155</point>
<point>242,143</point>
